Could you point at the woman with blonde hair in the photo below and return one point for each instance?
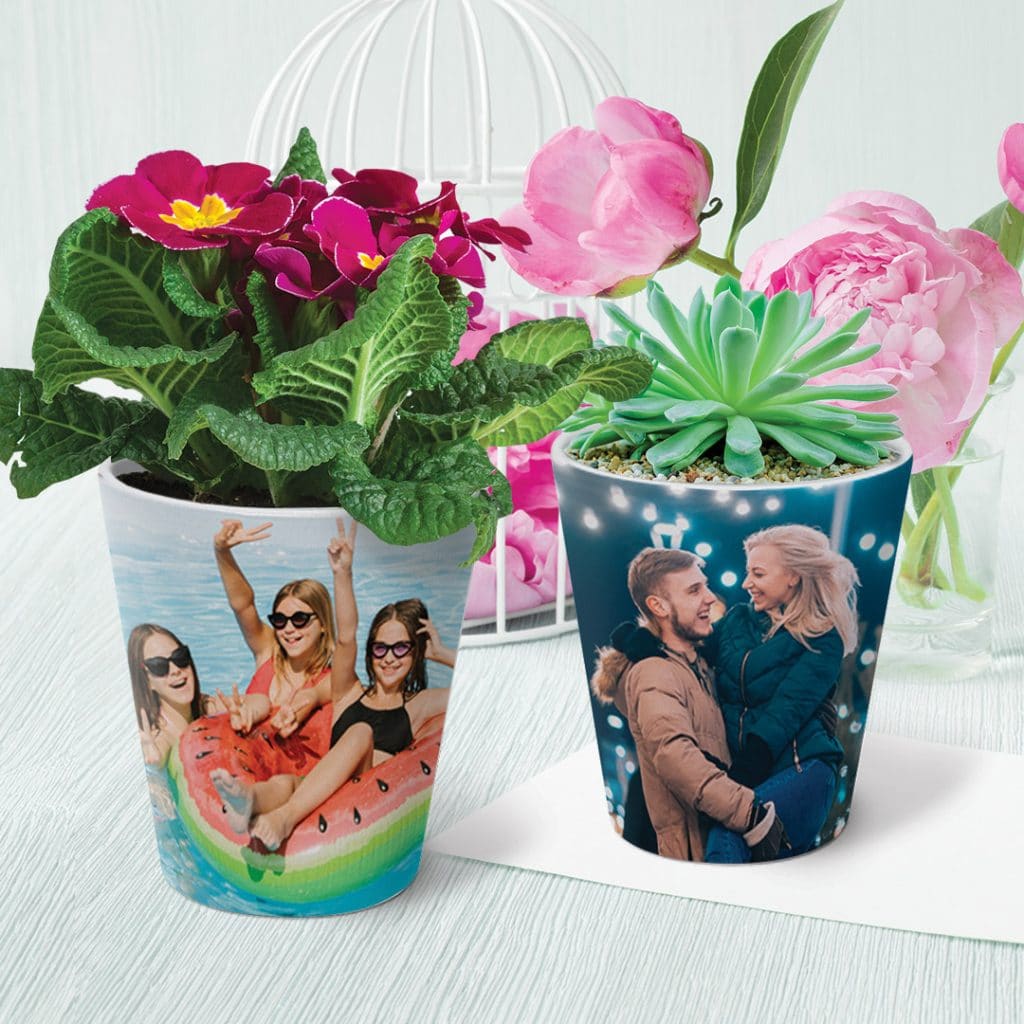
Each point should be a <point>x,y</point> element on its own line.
<point>292,650</point>
<point>777,661</point>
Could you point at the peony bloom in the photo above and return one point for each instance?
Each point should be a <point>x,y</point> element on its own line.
<point>175,200</point>
<point>605,209</point>
<point>941,303</point>
<point>1010,162</point>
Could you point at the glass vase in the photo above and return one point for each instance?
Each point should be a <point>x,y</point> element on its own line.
<point>943,592</point>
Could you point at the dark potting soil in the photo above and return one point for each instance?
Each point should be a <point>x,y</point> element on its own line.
<point>247,497</point>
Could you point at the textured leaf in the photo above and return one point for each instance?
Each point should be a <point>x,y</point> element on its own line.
<point>68,349</point>
<point>396,335</point>
<point>1004,223</point>
<point>270,338</point>
<point>303,160</point>
<point>422,497</point>
<point>544,341</point>
<point>59,440</point>
<point>182,292</point>
<point>769,111</point>
<point>281,447</point>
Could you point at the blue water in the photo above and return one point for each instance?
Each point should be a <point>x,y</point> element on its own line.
<point>165,573</point>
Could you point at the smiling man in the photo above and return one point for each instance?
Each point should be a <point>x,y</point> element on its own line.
<point>657,678</point>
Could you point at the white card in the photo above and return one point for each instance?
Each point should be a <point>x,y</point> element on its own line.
<point>935,843</point>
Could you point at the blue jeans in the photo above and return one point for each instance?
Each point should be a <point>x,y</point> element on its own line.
<point>802,800</point>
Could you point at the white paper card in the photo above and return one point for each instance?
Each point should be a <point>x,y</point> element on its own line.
<point>935,843</point>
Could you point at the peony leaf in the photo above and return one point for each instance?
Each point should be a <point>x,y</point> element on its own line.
<point>1005,224</point>
<point>769,111</point>
<point>60,439</point>
<point>303,160</point>
<point>395,338</point>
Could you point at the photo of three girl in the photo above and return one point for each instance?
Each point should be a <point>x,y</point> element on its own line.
<point>305,656</point>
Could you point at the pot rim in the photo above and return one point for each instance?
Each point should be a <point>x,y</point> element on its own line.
<point>900,449</point>
<point>109,474</point>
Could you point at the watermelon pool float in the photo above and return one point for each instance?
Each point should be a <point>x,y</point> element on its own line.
<point>368,827</point>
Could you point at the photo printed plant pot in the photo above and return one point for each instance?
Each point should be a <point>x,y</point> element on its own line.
<point>290,674</point>
<point>730,634</point>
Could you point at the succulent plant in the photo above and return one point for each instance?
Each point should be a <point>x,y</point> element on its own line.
<point>739,369</point>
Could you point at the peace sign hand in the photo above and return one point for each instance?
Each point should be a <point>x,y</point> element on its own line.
<point>240,712</point>
<point>342,548</point>
<point>232,533</point>
<point>148,736</point>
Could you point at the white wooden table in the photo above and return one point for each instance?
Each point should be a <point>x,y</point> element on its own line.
<point>89,931</point>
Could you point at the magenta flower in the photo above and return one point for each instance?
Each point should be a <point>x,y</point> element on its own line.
<point>605,209</point>
<point>941,303</point>
<point>175,200</point>
<point>1010,162</point>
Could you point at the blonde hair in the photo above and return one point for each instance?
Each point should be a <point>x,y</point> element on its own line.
<point>825,595</point>
<point>313,593</point>
<point>646,572</point>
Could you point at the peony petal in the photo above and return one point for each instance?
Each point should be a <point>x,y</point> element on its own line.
<point>621,119</point>
<point>669,185</point>
<point>1010,164</point>
<point>561,180</point>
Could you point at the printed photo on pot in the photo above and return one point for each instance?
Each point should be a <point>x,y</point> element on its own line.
<point>731,534</point>
<point>288,345</point>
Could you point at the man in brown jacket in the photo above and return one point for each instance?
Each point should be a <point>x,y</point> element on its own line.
<point>656,677</point>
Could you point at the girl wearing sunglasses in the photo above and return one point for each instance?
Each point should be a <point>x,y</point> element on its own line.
<point>372,722</point>
<point>166,689</point>
<point>292,648</point>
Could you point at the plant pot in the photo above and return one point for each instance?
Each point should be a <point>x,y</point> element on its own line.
<point>607,520</point>
<point>362,844</point>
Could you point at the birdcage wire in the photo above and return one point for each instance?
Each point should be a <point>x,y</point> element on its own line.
<point>329,81</point>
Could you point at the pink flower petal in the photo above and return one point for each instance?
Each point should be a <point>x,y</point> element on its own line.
<point>621,119</point>
<point>176,175</point>
<point>233,182</point>
<point>1010,164</point>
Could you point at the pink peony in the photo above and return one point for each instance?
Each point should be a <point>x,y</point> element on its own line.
<point>1010,162</point>
<point>605,209</point>
<point>175,200</point>
<point>941,303</point>
<point>531,569</point>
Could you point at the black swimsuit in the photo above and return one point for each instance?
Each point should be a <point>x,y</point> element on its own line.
<point>392,728</point>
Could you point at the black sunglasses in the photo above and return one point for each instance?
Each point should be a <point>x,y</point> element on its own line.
<point>159,667</point>
<point>399,650</point>
<point>298,619</point>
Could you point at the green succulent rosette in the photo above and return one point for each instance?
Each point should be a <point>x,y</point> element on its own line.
<point>735,371</point>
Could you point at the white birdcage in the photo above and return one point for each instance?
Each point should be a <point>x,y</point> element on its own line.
<point>466,90</point>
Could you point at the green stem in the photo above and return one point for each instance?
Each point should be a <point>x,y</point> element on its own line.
<point>716,264</point>
<point>962,581</point>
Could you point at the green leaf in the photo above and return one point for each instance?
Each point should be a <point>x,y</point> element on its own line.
<point>303,160</point>
<point>280,447</point>
<point>685,446</point>
<point>737,346</point>
<point>544,341</point>
<point>270,338</point>
<point>422,497</point>
<point>769,112</point>
<point>68,349</point>
<point>63,438</point>
<point>182,292</point>
<point>396,336</point>
<point>802,449</point>
<point>1004,223</point>
<point>742,435</point>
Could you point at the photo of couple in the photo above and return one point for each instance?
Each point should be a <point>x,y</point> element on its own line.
<point>731,710</point>
<point>331,703</point>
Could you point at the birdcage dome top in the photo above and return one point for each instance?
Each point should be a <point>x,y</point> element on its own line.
<point>461,89</point>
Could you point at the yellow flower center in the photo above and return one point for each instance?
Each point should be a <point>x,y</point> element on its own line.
<point>212,213</point>
<point>369,262</point>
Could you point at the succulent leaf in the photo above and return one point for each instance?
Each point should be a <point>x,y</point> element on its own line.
<point>738,368</point>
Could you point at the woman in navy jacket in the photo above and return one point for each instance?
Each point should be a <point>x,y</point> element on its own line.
<point>777,659</point>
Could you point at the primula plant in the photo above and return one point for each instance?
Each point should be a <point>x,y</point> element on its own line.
<point>291,345</point>
<point>734,371</point>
